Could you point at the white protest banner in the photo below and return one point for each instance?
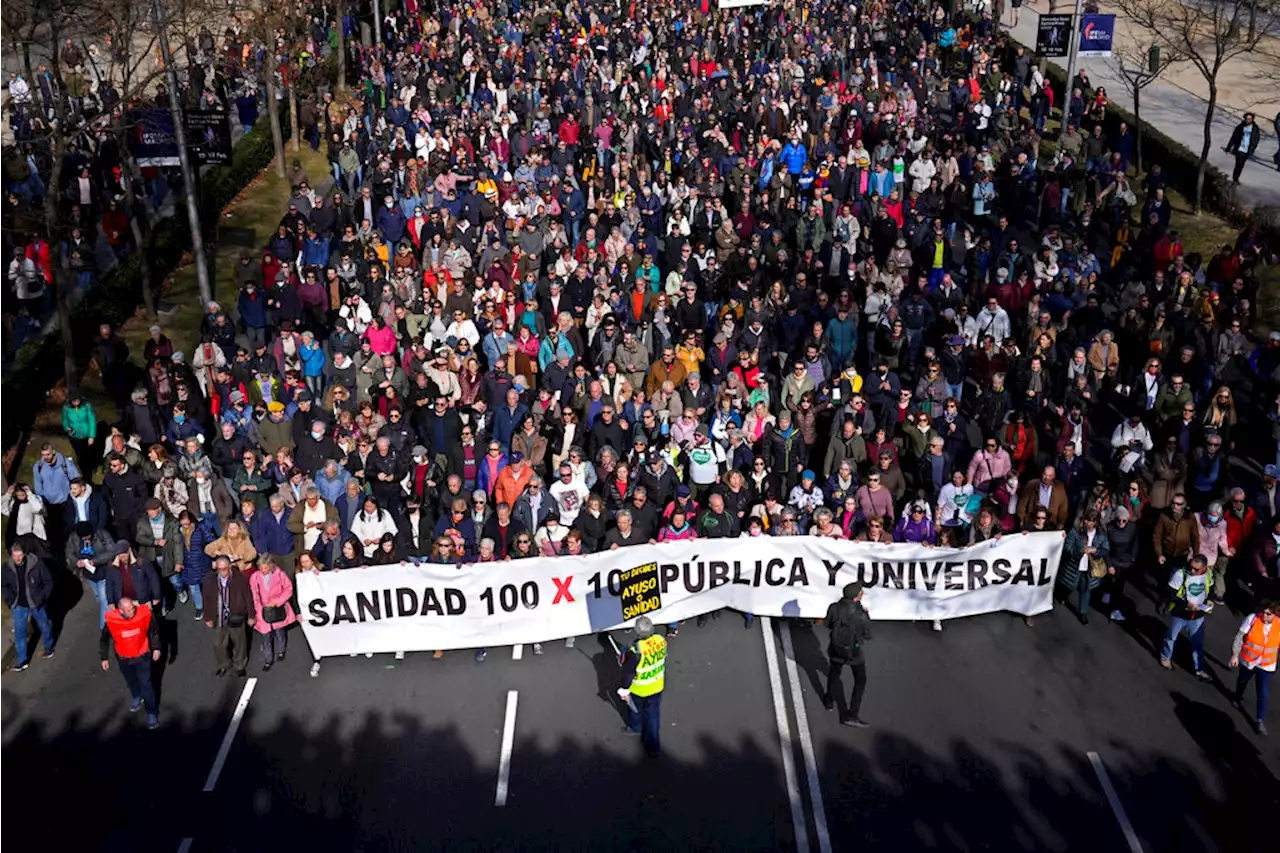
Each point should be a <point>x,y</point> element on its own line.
<point>424,607</point>
<point>738,4</point>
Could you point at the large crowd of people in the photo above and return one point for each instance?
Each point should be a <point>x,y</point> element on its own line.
<point>590,275</point>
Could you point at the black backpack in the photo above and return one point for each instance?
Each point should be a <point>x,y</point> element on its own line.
<point>844,633</point>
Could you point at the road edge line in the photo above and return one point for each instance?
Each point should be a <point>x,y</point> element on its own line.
<point>508,739</point>
<point>784,738</point>
<point>1113,799</point>
<point>806,742</point>
<point>230,736</point>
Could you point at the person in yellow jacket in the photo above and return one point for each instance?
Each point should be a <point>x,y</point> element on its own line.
<point>643,668</point>
<point>1254,651</point>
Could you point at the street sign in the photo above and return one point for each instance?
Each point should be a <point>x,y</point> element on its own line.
<point>208,136</point>
<point>151,137</point>
<point>1053,38</point>
<point>1095,34</point>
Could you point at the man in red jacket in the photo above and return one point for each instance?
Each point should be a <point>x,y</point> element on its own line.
<point>137,640</point>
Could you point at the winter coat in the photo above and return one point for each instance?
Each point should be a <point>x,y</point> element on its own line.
<point>1176,538</point>
<point>146,583</point>
<point>1073,550</point>
<point>196,564</point>
<point>241,551</point>
<point>30,515</point>
<point>278,596</point>
<point>297,522</point>
<point>223,506</point>
<point>39,581</point>
<point>240,598</point>
<point>103,546</point>
<point>169,555</point>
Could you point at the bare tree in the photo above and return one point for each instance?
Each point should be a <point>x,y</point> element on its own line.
<point>1208,34</point>
<point>340,13</point>
<point>1141,60</point>
<point>74,114</point>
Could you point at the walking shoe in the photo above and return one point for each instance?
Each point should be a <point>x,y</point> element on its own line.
<point>199,615</point>
<point>437,654</point>
<point>1106,598</point>
<point>135,706</point>
<point>627,730</point>
<point>673,631</point>
<point>1261,728</point>
<point>750,620</point>
<point>537,648</point>
<point>153,722</point>
<point>266,667</point>
<point>828,702</point>
<point>20,666</point>
<point>48,653</point>
<point>1236,703</point>
<point>1166,663</point>
<point>315,669</point>
<point>1083,617</point>
<point>937,624</point>
<point>183,597</point>
<point>368,654</point>
<point>855,723</point>
<point>481,655</point>
<point>1117,616</point>
<point>702,620</point>
<point>220,672</point>
<point>1203,675</point>
<point>399,655</point>
<point>280,657</point>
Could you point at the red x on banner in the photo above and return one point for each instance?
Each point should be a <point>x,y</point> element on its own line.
<point>562,590</point>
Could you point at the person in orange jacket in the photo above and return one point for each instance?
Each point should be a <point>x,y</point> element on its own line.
<point>136,636</point>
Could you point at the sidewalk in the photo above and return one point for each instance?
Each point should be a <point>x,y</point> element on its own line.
<point>1178,114</point>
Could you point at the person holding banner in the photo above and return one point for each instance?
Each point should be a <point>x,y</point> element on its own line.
<point>641,684</point>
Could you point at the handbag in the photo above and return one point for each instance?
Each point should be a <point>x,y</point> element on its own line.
<point>272,615</point>
<point>236,620</point>
<point>1097,569</point>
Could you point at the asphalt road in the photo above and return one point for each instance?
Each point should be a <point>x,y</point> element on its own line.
<point>980,741</point>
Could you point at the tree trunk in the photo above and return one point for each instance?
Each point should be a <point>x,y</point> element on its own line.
<point>273,115</point>
<point>52,219</point>
<point>342,50</point>
<point>1137,127</point>
<point>1203,167</point>
<point>139,237</point>
<point>295,136</point>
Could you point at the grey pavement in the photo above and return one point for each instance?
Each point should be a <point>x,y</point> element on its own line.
<point>980,740</point>
<point>1179,114</point>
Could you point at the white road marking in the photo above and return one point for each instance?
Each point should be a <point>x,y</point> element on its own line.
<point>517,651</point>
<point>806,743</point>
<point>1113,800</point>
<point>185,845</point>
<point>508,738</point>
<point>230,736</point>
<point>784,739</point>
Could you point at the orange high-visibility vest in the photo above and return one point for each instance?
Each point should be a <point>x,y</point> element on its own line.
<point>130,635</point>
<point>1261,647</point>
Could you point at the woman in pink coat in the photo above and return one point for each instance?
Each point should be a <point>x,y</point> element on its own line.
<point>271,587</point>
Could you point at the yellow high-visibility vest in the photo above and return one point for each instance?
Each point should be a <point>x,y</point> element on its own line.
<point>652,652</point>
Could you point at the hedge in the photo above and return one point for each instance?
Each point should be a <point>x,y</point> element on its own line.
<point>37,367</point>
